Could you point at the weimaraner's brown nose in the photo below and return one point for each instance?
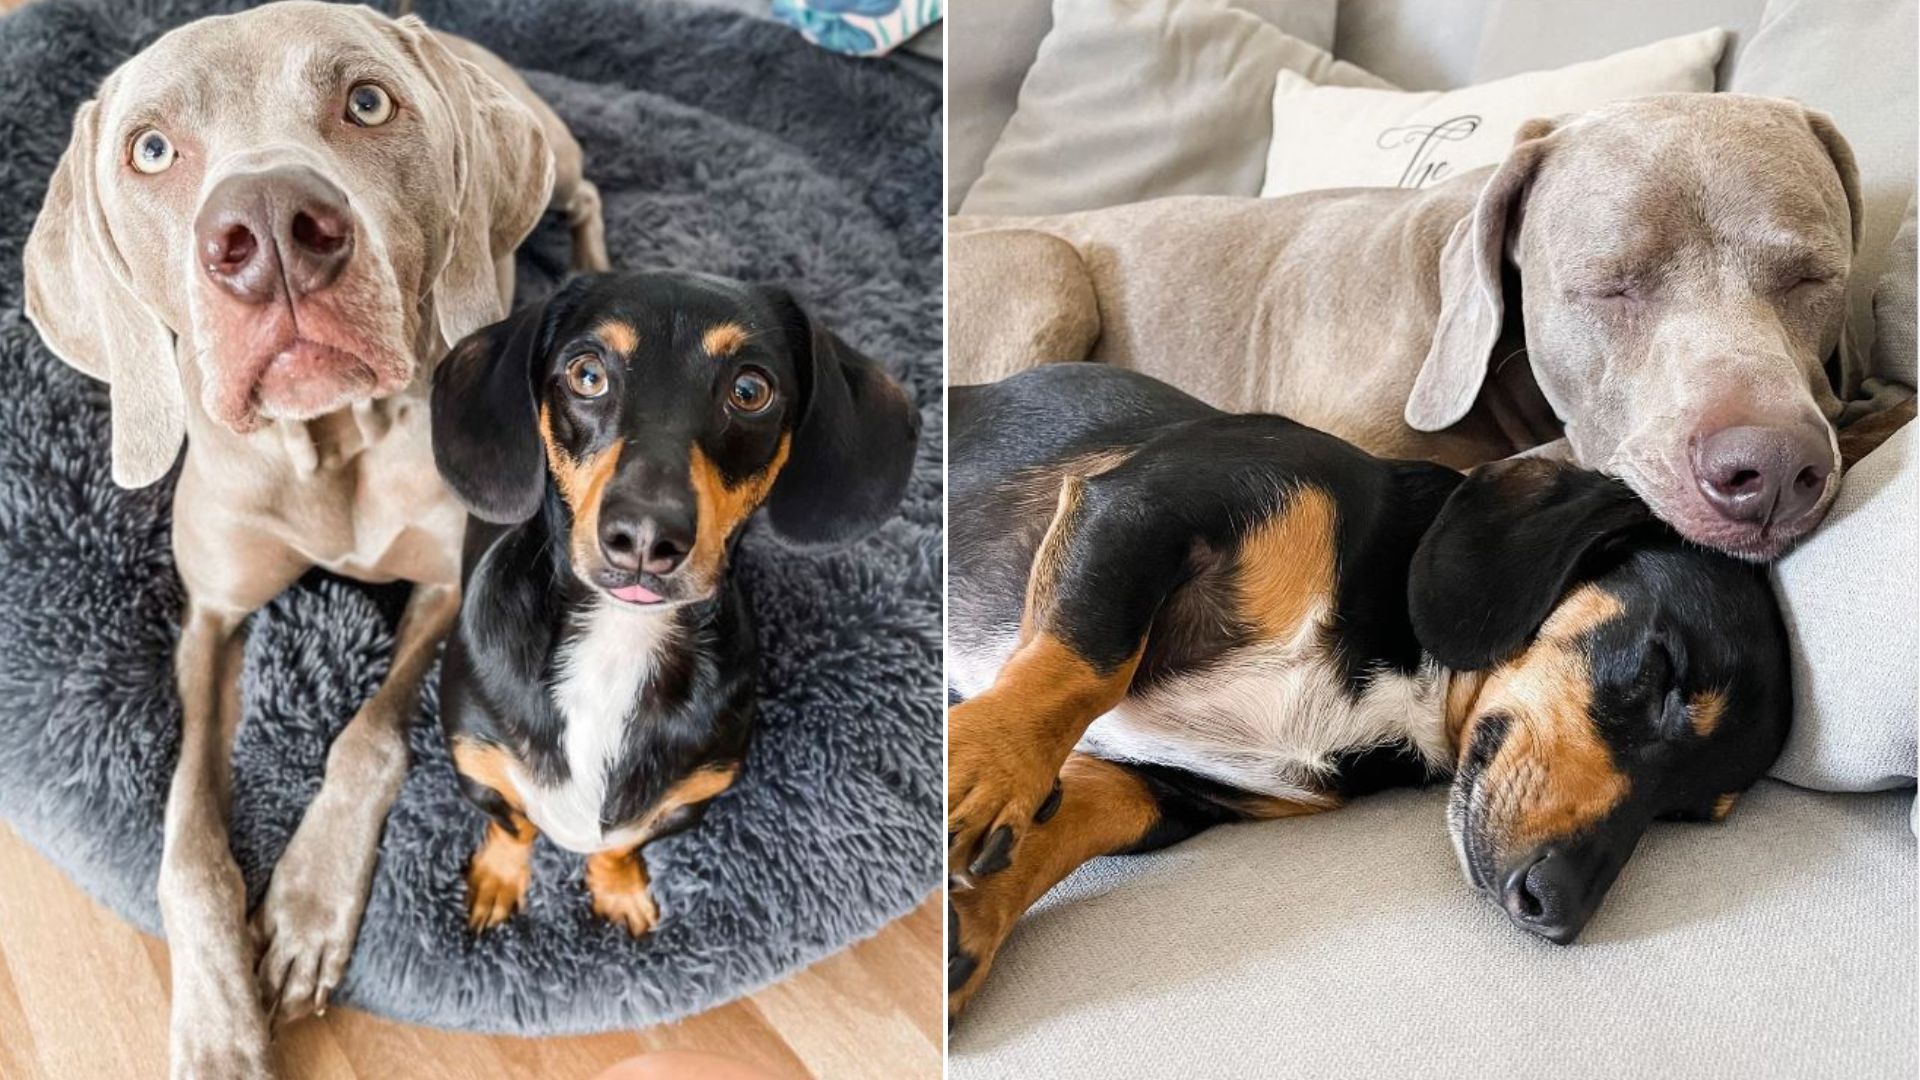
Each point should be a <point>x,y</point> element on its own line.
<point>1763,475</point>
<point>285,227</point>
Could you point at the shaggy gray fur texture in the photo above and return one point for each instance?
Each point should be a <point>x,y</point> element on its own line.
<point>720,143</point>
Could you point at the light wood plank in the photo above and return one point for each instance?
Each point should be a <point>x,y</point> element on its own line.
<point>83,994</point>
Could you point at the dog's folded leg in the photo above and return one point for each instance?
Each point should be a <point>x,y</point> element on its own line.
<point>585,218</point>
<point>621,890</point>
<point>1097,577</point>
<point>500,872</point>
<point>1104,808</point>
<point>219,1031</point>
<point>1017,299</point>
<point>305,928</point>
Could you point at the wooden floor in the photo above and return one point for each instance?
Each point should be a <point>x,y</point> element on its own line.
<point>83,995</point>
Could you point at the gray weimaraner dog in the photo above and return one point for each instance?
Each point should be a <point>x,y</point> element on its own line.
<point>266,229</point>
<point>1672,269</point>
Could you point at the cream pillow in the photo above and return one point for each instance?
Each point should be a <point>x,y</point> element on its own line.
<point>1335,137</point>
<point>1135,99</point>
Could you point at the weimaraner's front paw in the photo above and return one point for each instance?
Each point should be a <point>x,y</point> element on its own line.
<point>306,935</point>
<point>305,928</point>
<point>219,1034</point>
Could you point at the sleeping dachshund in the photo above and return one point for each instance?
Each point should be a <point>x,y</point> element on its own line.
<point>1164,617</point>
<point>612,443</point>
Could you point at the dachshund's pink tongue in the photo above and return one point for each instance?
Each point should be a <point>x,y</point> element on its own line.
<point>636,594</point>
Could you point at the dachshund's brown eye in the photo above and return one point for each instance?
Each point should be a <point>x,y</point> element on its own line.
<point>368,105</point>
<point>751,392</point>
<point>153,152</point>
<point>587,376</point>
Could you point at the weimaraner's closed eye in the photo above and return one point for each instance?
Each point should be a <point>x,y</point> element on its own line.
<point>265,230</point>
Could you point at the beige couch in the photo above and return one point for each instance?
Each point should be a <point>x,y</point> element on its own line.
<point>1779,944</point>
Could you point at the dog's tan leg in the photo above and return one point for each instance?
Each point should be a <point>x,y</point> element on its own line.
<point>503,278</point>
<point>620,887</point>
<point>306,925</point>
<point>1103,808</point>
<point>499,873</point>
<point>1017,299</point>
<point>218,1027</point>
<point>1006,744</point>
<point>219,1030</point>
<point>585,217</point>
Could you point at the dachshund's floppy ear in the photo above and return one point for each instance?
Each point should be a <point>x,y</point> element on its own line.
<point>80,296</point>
<point>486,438</point>
<point>503,180</point>
<point>1510,541</point>
<point>853,438</point>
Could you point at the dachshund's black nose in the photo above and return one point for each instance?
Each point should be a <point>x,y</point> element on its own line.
<point>646,539</point>
<point>1549,895</point>
<point>285,228</point>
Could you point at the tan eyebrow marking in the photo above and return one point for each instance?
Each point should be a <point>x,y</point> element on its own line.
<point>1584,609</point>
<point>724,339</point>
<point>1704,710</point>
<point>619,336</point>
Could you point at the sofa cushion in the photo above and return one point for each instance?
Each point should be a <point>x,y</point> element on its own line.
<point>1134,99</point>
<point>1532,35</point>
<point>1778,944</point>
<point>994,43</point>
<point>1333,137</point>
<point>1854,59</point>
<point>1849,583</point>
<point>1418,44</point>
<point>1894,352</point>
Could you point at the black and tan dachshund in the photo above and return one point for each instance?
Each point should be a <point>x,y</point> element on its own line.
<point>1165,617</point>
<point>611,443</point>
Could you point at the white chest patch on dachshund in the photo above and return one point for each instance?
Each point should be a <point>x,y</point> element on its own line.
<point>599,675</point>
<point>1272,718</point>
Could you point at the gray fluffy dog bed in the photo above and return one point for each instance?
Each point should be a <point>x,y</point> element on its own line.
<point>720,143</point>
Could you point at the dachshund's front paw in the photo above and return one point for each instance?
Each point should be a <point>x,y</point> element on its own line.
<point>497,879</point>
<point>620,889</point>
<point>994,796</point>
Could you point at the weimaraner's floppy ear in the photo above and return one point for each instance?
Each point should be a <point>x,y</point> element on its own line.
<point>853,438</point>
<point>504,174</point>
<point>1510,541</point>
<point>1852,364</point>
<point>81,299</point>
<point>486,440</point>
<point>1471,305</point>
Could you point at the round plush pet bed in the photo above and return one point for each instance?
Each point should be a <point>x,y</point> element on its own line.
<point>720,143</point>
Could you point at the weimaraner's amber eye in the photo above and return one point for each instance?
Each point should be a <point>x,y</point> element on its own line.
<point>368,105</point>
<point>153,152</point>
<point>587,376</point>
<point>751,392</point>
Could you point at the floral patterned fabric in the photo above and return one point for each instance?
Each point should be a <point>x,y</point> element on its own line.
<point>858,27</point>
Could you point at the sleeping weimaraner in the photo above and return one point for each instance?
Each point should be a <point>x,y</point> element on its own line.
<point>266,230</point>
<point>1662,281</point>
